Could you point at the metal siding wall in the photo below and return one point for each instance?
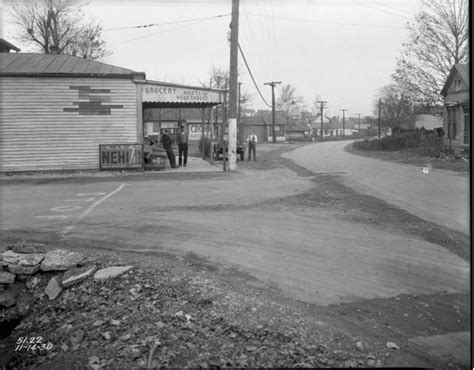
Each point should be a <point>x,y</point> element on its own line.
<point>37,134</point>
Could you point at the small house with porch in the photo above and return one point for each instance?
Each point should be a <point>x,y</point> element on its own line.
<point>457,108</point>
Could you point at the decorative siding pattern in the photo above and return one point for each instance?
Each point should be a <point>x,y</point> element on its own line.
<point>39,131</point>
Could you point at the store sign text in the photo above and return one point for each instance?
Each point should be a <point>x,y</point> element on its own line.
<point>119,156</point>
<point>176,94</point>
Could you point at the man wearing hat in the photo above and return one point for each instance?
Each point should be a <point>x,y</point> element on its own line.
<point>166,142</point>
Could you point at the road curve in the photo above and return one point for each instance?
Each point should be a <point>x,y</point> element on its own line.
<point>439,196</point>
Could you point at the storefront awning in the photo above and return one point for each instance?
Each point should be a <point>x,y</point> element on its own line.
<point>162,94</point>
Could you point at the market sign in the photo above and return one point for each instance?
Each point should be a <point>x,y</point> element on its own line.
<point>154,93</point>
<point>120,156</point>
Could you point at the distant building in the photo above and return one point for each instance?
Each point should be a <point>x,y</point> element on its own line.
<point>299,132</point>
<point>262,124</point>
<point>457,108</point>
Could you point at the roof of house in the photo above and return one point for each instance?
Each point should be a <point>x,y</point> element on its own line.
<point>253,121</point>
<point>58,65</point>
<point>298,128</point>
<point>462,70</point>
<point>4,44</point>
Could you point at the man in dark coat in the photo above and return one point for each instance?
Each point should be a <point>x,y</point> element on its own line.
<point>166,141</point>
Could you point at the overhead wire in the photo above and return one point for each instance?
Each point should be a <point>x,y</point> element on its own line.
<point>251,75</point>
<point>256,53</point>
<point>327,22</point>
<point>167,30</point>
<point>166,23</point>
<point>385,11</point>
<point>269,31</point>
<point>277,61</point>
<point>262,36</point>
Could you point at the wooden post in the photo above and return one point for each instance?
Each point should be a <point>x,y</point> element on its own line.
<point>232,121</point>
<point>203,154</point>
<point>212,134</point>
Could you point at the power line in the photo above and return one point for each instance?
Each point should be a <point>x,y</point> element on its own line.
<point>255,52</point>
<point>274,39</point>
<point>251,75</point>
<point>161,31</point>
<point>386,12</point>
<point>166,23</point>
<point>327,22</point>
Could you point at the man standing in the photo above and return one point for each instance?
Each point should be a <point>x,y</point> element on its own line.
<point>252,140</point>
<point>166,141</point>
<point>183,147</point>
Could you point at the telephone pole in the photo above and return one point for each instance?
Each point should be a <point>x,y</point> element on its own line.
<point>380,105</point>
<point>273,84</point>
<point>359,114</point>
<point>343,122</point>
<point>321,106</point>
<point>239,123</point>
<point>232,122</point>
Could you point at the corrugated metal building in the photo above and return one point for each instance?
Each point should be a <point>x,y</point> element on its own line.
<point>57,109</point>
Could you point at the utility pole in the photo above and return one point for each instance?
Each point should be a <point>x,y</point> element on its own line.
<point>240,129</point>
<point>380,106</point>
<point>232,122</point>
<point>273,84</point>
<point>343,122</point>
<point>359,114</point>
<point>321,106</point>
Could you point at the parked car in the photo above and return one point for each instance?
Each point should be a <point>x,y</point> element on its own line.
<point>219,149</point>
<point>153,155</point>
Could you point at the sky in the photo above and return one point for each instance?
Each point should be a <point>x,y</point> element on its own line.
<point>339,51</point>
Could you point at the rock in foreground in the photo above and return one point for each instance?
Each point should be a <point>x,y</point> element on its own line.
<point>111,272</point>
<point>77,275</point>
<point>60,260</point>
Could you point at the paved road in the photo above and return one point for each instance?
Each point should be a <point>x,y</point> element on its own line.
<point>438,196</point>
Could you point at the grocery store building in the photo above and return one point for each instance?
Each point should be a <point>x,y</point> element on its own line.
<point>60,112</point>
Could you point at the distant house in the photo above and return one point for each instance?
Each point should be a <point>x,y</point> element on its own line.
<point>457,108</point>
<point>332,127</point>
<point>262,124</point>
<point>299,132</point>
<point>428,117</point>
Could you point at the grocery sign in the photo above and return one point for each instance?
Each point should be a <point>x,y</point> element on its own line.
<point>154,93</point>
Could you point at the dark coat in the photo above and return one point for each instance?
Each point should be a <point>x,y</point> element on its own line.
<point>166,141</point>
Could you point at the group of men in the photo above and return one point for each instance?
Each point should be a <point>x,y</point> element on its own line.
<point>183,147</point>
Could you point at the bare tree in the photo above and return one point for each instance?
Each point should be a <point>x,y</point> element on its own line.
<point>289,103</point>
<point>438,39</point>
<point>396,111</point>
<point>60,24</point>
<point>219,79</point>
